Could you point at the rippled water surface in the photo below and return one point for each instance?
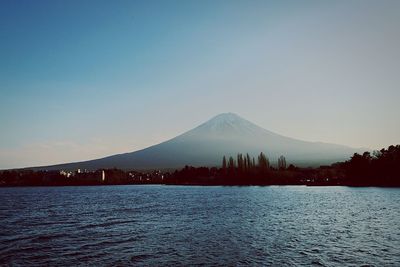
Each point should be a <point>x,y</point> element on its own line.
<point>188,225</point>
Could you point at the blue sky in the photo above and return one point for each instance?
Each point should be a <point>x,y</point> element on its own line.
<point>85,79</point>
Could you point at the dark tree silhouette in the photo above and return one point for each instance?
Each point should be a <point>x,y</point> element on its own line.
<point>263,162</point>
<point>281,163</point>
<point>224,164</point>
<point>380,168</point>
<point>240,163</point>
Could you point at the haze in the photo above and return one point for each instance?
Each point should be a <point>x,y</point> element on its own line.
<point>82,79</point>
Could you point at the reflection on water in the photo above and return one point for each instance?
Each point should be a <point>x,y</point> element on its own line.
<point>188,225</point>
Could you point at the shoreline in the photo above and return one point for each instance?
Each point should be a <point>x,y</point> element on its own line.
<point>202,185</point>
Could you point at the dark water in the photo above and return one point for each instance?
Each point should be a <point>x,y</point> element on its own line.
<point>172,225</point>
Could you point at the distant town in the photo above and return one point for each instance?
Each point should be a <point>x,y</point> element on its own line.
<point>79,177</point>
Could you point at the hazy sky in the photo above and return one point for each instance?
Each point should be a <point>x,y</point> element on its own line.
<point>85,79</point>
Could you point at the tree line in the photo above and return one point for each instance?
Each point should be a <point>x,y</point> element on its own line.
<point>241,170</point>
<point>380,168</point>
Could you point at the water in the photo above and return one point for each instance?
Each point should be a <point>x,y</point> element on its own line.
<point>189,225</point>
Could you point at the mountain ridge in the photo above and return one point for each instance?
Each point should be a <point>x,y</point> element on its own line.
<point>205,145</point>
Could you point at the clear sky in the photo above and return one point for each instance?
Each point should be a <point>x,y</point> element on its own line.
<point>85,79</point>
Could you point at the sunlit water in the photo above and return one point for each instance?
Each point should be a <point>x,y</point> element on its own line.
<point>188,225</point>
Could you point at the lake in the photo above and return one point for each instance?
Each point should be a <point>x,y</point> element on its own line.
<point>192,225</point>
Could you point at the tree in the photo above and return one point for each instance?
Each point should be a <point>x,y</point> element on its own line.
<point>248,161</point>
<point>240,162</point>
<point>263,162</point>
<point>281,163</point>
<point>224,162</point>
<point>231,163</point>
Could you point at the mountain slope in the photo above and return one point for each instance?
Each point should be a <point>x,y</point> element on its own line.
<point>226,134</point>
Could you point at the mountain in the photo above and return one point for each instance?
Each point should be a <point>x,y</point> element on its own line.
<point>225,134</point>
